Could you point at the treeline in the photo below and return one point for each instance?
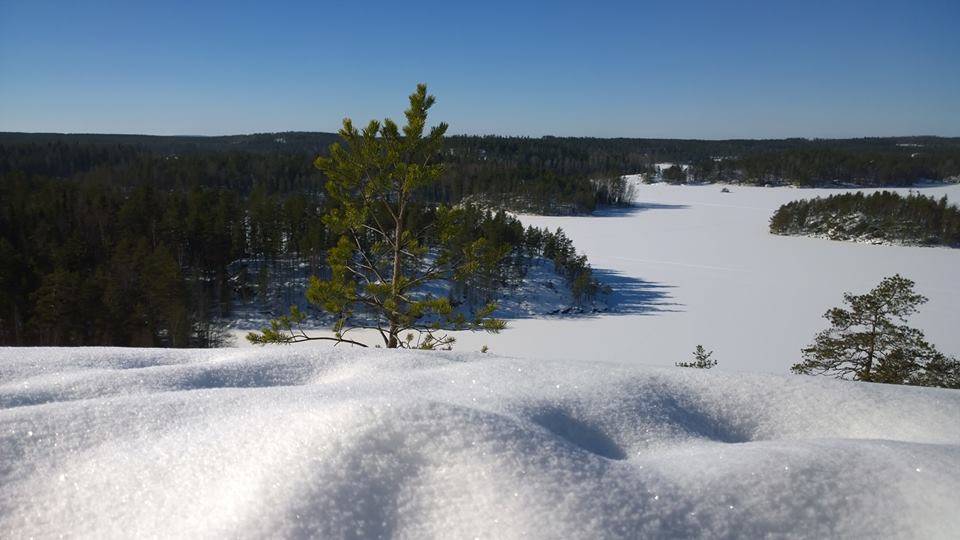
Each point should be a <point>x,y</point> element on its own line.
<point>554,174</point>
<point>545,175</point>
<point>521,175</point>
<point>882,216</point>
<point>823,163</point>
<point>132,165</point>
<point>87,262</point>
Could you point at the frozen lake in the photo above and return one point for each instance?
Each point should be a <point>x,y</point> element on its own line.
<point>692,265</point>
<point>699,266</point>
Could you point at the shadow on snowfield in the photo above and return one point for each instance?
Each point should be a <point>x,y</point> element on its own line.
<point>630,295</point>
<point>633,208</point>
<point>627,296</point>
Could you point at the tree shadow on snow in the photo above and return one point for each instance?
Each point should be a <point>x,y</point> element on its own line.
<point>633,208</point>
<point>630,295</point>
<point>627,296</point>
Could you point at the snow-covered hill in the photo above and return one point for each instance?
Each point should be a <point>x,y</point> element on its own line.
<point>298,442</point>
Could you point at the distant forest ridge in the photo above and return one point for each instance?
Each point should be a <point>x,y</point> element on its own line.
<point>661,149</point>
<point>550,175</point>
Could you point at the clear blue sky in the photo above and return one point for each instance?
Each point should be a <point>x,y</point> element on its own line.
<point>710,69</point>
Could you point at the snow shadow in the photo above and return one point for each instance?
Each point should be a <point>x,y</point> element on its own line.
<point>579,434</point>
<point>630,295</point>
<point>691,418</point>
<point>633,208</point>
<point>546,296</point>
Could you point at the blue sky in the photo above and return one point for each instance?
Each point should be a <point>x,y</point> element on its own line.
<point>708,69</point>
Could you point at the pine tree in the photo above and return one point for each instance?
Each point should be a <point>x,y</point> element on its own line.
<point>381,264</point>
<point>870,341</point>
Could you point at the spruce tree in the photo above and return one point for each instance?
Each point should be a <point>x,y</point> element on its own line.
<point>381,266</point>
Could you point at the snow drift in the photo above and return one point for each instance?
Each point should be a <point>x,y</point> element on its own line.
<point>314,442</point>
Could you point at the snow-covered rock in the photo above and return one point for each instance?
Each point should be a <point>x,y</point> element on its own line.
<point>314,442</point>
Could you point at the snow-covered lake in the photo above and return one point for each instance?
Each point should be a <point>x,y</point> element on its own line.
<point>696,265</point>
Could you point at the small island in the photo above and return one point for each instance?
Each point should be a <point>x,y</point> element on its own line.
<point>883,217</point>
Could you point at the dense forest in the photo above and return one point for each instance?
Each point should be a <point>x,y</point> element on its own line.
<point>879,217</point>
<point>115,244</point>
<point>544,175</point>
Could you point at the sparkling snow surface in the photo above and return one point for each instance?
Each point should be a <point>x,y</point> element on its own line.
<point>693,265</point>
<point>313,442</point>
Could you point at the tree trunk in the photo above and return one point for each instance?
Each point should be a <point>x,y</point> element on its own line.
<point>868,365</point>
<point>394,341</point>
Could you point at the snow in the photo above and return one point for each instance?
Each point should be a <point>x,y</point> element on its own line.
<point>693,265</point>
<point>313,442</point>
<point>542,292</point>
<point>660,167</point>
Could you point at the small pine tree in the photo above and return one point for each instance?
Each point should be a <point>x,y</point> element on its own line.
<point>380,265</point>
<point>701,359</point>
<point>870,341</point>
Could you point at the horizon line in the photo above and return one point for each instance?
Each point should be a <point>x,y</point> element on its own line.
<point>481,135</point>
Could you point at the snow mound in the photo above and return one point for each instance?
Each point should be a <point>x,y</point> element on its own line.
<point>297,442</point>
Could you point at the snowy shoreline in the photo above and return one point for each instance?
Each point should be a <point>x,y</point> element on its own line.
<point>869,240</point>
<point>295,442</point>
